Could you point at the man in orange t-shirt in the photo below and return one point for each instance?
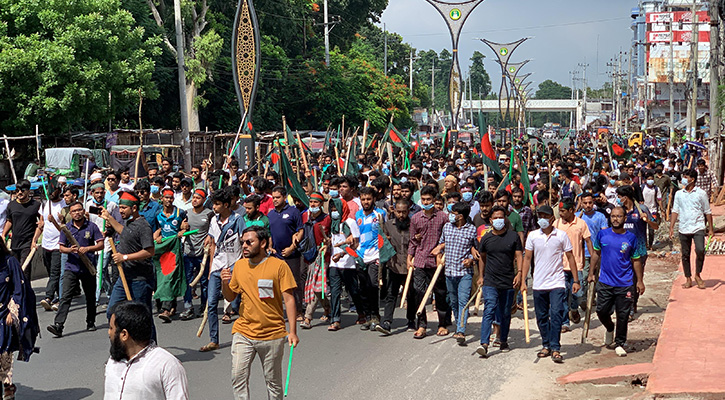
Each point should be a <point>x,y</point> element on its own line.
<point>264,282</point>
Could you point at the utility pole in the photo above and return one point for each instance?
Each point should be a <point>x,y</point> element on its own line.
<point>671,78</point>
<point>327,35</point>
<point>584,84</point>
<point>385,51</point>
<point>410,70</point>
<point>694,57</point>
<point>630,108</point>
<point>185,144</point>
<point>470,97</point>
<point>433,84</point>
<point>716,160</point>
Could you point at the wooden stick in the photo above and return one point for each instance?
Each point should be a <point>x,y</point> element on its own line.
<point>588,315</point>
<point>526,316</point>
<point>121,273</point>
<point>337,162</point>
<point>428,291</point>
<point>29,258</point>
<point>10,159</point>
<point>477,304</point>
<point>365,136</point>
<point>302,151</point>
<point>37,143</point>
<point>202,268</point>
<point>204,318</point>
<point>407,286</point>
<point>62,228</point>
<point>140,138</point>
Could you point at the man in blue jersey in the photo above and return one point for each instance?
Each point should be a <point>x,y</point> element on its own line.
<point>369,219</point>
<point>169,224</point>
<point>596,221</point>
<point>616,251</point>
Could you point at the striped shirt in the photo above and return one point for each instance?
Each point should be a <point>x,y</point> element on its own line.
<point>458,247</point>
<point>429,228</point>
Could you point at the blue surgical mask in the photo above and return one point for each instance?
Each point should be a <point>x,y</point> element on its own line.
<point>618,201</point>
<point>684,181</point>
<point>335,215</point>
<point>595,174</point>
<point>272,181</point>
<point>359,165</point>
<point>334,194</point>
<point>467,196</point>
<point>427,206</point>
<point>452,218</point>
<point>499,223</point>
<point>154,189</point>
<point>403,180</point>
<point>251,189</point>
<point>650,182</point>
<point>386,171</point>
<point>314,210</point>
<point>450,207</point>
<point>612,182</point>
<point>543,223</point>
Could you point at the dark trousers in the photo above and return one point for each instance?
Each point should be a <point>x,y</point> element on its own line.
<point>611,299</point>
<point>299,271</point>
<point>339,277</point>
<point>395,282</point>
<point>421,279</point>
<point>71,282</point>
<point>548,305</point>
<point>21,255</point>
<point>51,259</point>
<point>191,268</point>
<point>635,294</point>
<point>686,249</point>
<point>367,278</point>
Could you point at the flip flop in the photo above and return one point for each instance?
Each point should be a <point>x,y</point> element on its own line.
<point>420,334</point>
<point>700,283</point>
<point>543,353</point>
<point>557,358</point>
<point>335,326</point>
<point>442,332</point>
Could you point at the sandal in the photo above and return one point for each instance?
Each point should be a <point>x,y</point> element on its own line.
<point>460,338</point>
<point>420,333</point>
<point>305,324</point>
<point>324,318</point>
<point>300,318</point>
<point>226,319</point>
<point>335,326</point>
<point>543,353</point>
<point>442,331</point>
<point>557,358</point>
<point>209,347</point>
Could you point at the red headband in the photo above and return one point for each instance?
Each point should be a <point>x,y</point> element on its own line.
<point>163,192</point>
<point>318,197</point>
<point>201,193</point>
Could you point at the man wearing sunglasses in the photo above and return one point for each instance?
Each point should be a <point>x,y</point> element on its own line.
<point>24,222</point>
<point>113,189</point>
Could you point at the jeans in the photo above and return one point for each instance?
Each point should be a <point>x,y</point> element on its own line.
<point>140,291</point>
<point>348,277</point>
<point>394,284</point>
<point>617,299</point>
<point>459,289</point>
<point>496,302</point>
<point>191,268</point>
<point>51,259</point>
<point>571,300</point>
<point>369,291</point>
<point>549,305</point>
<point>421,279</point>
<point>271,352</point>
<point>686,248</point>
<point>72,282</point>
<point>213,295</point>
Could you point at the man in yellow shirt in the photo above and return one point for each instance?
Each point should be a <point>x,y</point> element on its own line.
<point>264,282</point>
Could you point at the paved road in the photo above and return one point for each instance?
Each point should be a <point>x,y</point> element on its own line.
<point>348,364</point>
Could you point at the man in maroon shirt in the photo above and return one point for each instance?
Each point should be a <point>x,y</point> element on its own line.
<point>426,227</point>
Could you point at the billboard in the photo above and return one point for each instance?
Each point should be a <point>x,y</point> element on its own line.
<point>659,62</point>
<point>677,16</point>
<point>679,36</point>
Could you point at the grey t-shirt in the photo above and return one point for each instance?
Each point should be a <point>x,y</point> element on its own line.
<point>135,237</point>
<point>194,244</point>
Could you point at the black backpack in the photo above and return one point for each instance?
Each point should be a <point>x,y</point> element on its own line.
<point>308,246</point>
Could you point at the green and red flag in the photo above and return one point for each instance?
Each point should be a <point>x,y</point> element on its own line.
<point>169,266</point>
<point>289,179</point>
<point>444,147</point>
<point>352,168</point>
<point>397,139</point>
<point>618,152</point>
<point>488,155</point>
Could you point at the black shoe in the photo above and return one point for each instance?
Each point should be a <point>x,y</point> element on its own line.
<point>91,327</point>
<point>574,316</point>
<point>383,328</point>
<point>187,315</point>
<point>46,304</point>
<point>366,326</point>
<point>412,327</point>
<point>504,347</point>
<point>56,330</point>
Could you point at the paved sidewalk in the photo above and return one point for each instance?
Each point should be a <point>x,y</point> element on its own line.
<point>690,355</point>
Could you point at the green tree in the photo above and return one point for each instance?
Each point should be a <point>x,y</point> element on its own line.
<point>549,89</point>
<point>60,61</point>
<point>480,81</point>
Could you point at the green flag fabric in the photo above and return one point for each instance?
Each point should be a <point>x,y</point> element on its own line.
<point>525,181</point>
<point>444,147</point>
<point>352,168</point>
<point>488,155</point>
<point>397,139</point>
<point>169,266</point>
<point>289,179</point>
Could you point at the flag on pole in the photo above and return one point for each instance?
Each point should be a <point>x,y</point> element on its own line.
<point>488,155</point>
<point>397,139</point>
<point>618,152</point>
<point>444,147</point>
<point>352,168</point>
<point>289,179</point>
<point>169,266</point>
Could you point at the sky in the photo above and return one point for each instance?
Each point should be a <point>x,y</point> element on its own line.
<point>563,34</point>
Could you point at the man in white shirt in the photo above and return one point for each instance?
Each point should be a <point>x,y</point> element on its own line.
<point>692,207</point>
<point>547,247</point>
<point>51,252</point>
<point>137,368</point>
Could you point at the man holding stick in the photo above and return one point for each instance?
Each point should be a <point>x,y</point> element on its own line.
<point>197,219</point>
<point>51,254</point>
<point>264,283</point>
<point>90,240</point>
<point>135,251</point>
<point>24,222</point>
<point>616,251</point>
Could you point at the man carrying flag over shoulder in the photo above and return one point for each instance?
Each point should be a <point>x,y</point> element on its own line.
<point>170,220</point>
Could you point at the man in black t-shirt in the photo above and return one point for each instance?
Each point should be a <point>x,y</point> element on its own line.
<point>498,277</point>
<point>25,223</point>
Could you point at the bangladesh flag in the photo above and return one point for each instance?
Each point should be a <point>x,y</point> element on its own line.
<point>618,152</point>
<point>352,168</point>
<point>488,155</point>
<point>293,141</point>
<point>397,139</point>
<point>525,181</point>
<point>169,266</point>
<point>444,147</point>
<point>289,179</point>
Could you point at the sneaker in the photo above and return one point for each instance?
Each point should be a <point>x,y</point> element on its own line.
<point>608,338</point>
<point>565,329</point>
<point>365,326</point>
<point>620,351</point>
<point>374,322</point>
<point>54,307</point>
<point>505,347</point>
<point>383,328</point>
<point>574,316</point>
<point>91,327</point>
<point>9,391</point>
<point>56,330</point>
<point>45,303</point>
<point>353,309</point>
<point>187,315</point>
<point>482,351</point>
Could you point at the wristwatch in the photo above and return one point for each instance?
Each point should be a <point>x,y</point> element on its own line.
<point>125,257</point>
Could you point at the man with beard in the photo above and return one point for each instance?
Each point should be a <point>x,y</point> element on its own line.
<point>25,223</point>
<point>264,283</point>
<point>369,220</point>
<point>149,208</point>
<point>90,240</point>
<point>406,192</point>
<point>398,232</point>
<point>113,192</point>
<point>616,251</point>
<point>125,183</point>
<point>596,222</point>
<point>524,211</point>
<point>482,220</point>
<point>138,369</point>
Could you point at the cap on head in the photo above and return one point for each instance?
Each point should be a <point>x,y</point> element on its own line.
<point>545,210</point>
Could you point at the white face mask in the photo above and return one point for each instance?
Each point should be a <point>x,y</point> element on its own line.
<point>543,223</point>
<point>499,223</point>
